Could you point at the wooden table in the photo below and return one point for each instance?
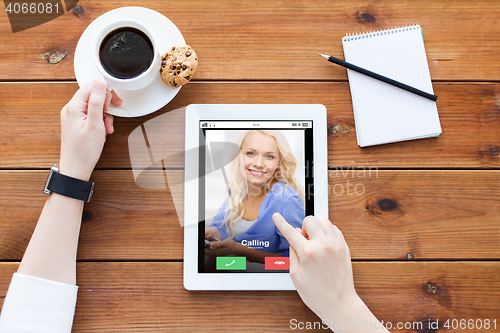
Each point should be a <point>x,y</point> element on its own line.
<point>424,234</point>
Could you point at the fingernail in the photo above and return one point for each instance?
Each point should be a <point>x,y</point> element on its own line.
<point>276,215</point>
<point>99,88</point>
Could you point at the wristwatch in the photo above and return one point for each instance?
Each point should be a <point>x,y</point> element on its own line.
<point>68,186</point>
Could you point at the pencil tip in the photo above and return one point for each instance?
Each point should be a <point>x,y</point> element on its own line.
<point>322,55</point>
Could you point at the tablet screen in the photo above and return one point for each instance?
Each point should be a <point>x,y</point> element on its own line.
<point>248,171</point>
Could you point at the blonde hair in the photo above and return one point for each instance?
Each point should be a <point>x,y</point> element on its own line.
<point>237,187</point>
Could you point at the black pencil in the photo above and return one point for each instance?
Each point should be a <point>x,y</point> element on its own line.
<point>379,77</point>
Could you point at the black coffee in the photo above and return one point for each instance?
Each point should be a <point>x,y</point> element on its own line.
<point>126,53</point>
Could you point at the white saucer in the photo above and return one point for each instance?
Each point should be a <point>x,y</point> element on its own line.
<point>139,102</point>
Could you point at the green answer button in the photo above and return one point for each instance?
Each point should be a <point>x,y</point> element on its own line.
<point>231,263</point>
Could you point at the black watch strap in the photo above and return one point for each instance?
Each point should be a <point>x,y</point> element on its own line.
<point>68,186</point>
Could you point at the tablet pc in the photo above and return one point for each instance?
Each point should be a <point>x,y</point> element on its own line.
<point>249,162</point>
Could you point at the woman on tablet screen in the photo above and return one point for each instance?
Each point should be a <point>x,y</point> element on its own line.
<point>262,182</point>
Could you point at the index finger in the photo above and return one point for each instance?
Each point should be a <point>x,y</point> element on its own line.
<point>292,235</point>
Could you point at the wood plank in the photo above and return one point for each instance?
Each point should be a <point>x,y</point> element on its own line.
<point>122,220</point>
<point>149,297</point>
<point>469,113</point>
<point>270,40</point>
<point>384,215</point>
<point>417,214</point>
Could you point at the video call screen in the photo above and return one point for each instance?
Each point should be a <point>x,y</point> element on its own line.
<point>248,171</point>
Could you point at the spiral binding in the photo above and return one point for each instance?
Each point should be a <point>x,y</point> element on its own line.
<point>366,35</point>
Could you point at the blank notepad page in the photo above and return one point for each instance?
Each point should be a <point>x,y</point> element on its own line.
<point>384,113</point>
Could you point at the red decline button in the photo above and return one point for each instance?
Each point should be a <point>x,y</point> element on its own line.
<point>277,263</point>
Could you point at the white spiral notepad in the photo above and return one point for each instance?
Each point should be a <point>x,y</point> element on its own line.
<point>384,113</point>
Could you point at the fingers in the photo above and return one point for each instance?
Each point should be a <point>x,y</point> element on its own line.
<point>115,100</point>
<point>294,260</point>
<point>222,243</point>
<point>303,232</point>
<point>108,118</point>
<point>327,226</point>
<point>112,97</point>
<point>108,100</point>
<point>83,94</point>
<point>313,227</point>
<point>338,233</point>
<point>293,236</point>
<point>212,232</point>
<point>96,103</point>
<point>108,123</point>
<point>294,266</point>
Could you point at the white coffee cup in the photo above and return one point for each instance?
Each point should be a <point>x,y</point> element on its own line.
<point>135,83</point>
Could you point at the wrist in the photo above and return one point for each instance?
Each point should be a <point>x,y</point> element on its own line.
<point>341,311</point>
<point>74,170</point>
<point>353,316</point>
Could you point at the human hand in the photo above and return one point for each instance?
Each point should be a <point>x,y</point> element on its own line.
<point>212,232</point>
<point>223,248</point>
<point>84,125</point>
<point>320,267</point>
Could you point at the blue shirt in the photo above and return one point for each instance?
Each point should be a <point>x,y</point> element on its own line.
<point>263,234</point>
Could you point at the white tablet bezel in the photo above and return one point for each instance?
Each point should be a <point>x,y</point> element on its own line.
<point>196,112</point>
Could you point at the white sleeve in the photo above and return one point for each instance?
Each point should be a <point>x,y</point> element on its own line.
<point>38,305</point>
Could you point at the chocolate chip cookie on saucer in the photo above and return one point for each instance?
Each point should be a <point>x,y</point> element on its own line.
<point>178,65</point>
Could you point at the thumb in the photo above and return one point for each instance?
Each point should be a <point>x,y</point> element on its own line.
<point>96,104</point>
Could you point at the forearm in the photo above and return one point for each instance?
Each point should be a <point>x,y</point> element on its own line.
<point>51,252</point>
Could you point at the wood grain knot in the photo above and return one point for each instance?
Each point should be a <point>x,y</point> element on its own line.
<point>78,10</point>
<point>339,129</point>
<point>432,288</point>
<point>494,150</point>
<point>387,205</point>
<point>384,207</point>
<point>88,215</point>
<point>363,15</point>
<point>335,129</point>
<point>54,57</point>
